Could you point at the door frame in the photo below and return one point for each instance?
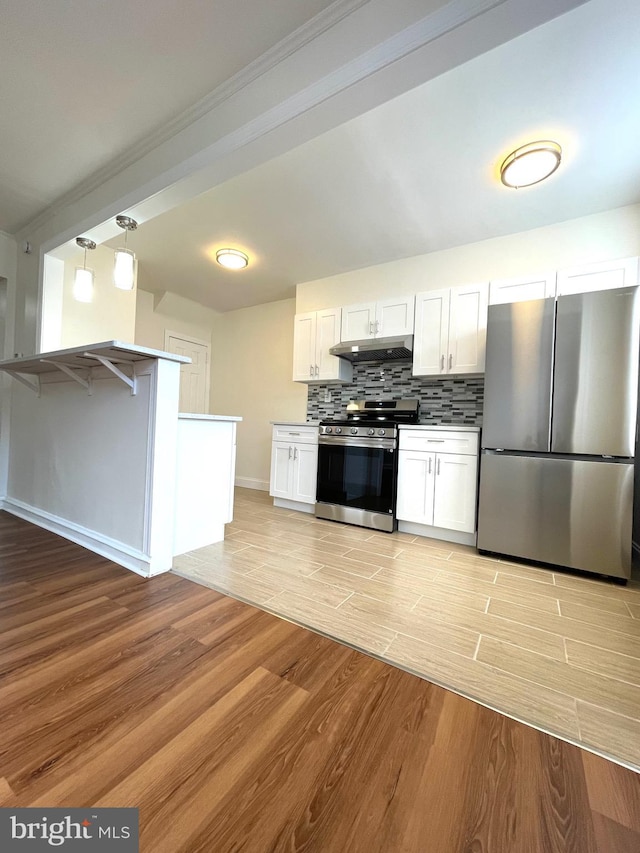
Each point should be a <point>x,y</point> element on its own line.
<point>168,333</point>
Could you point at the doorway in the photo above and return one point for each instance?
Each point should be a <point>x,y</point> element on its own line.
<point>194,377</point>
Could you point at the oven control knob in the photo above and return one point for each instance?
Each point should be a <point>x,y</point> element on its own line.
<point>371,432</point>
<point>354,430</point>
<point>381,432</point>
<point>338,430</point>
<point>328,429</point>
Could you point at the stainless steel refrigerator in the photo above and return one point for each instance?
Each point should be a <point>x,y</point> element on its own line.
<point>559,430</point>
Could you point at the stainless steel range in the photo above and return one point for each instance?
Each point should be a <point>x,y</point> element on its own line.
<point>358,463</point>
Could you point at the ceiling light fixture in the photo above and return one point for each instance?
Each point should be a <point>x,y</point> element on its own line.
<point>124,259</point>
<point>232,259</point>
<point>83,279</point>
<point>530,164</point>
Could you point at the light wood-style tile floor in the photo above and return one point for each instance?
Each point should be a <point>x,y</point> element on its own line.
<point>557,650</point>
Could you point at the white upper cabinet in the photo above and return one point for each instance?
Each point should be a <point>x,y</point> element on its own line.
<point>450,330</point>
<point>522,288</point>
<point>314,333</point>
<point>600,276</point>
<point>386,318</point>
<point>431,341</point>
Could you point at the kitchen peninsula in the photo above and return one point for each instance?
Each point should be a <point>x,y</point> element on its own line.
<point>94,449</point>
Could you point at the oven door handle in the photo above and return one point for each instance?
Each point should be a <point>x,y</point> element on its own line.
<point>352,441</point>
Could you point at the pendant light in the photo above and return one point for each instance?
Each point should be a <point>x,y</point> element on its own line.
<point>530,164</point>
<point>83,279</point>
<point>232,259</point>
<point>124,258</point>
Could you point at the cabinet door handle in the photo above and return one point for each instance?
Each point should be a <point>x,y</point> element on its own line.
<point>438,470</point>
<point>310,370</point>
<point>429,471</point>
<point>370,327</point>
<point>441,362</point>
<point>377,327</point>
<point>450,361</point>
<point>295,452</point>
<point>290,449</point>
<point>317,370</point>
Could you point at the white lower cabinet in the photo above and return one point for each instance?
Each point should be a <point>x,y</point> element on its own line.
<point>294,466</point>
<point>437,484</point>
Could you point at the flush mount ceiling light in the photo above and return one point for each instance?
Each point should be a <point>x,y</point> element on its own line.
<point>83,279</point>
<point>124,259</point>
<point>232,259</point>
<point>530,164</point>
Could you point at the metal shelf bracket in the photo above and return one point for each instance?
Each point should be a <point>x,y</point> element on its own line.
<point>32,386</point>
<point>105,362</point>
<point>86,383</point>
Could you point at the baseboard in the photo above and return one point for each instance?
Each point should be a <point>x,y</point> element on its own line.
<point>252,483</point>
<point>437,533</point>
<point>297,505</point>
<point>113,550</point>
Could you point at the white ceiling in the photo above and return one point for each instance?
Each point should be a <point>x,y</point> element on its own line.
<point>83,80</point>
<point>414,175</point>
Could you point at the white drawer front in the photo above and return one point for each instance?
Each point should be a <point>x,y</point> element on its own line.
<point>439,441</point>
<point>295,434</point>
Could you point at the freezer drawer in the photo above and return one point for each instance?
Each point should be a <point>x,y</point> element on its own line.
<point>570,512</point>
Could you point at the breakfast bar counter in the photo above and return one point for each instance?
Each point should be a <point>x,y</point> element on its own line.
<point>93,448</point>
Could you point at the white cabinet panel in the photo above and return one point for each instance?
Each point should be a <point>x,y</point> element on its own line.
<point>522,288</point>
<point>431,341</point>
<point>439,441</point>
<point>314,333</point>
<point>358,321</point>
<point>454,505</point>
<point>450,330</point>
<point>294,463</point>
<point>467,328</point>
<point>304,346</point>
<point>600,276</point>
<point>330,367</point>
<point>415,487</point>
<point>436,488</point>
<point>281,469</point>
<point>386,318</point>
<point>394,317</point>
<point>305,469</point>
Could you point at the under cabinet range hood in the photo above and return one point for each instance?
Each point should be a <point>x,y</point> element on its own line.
<point>376,349</point>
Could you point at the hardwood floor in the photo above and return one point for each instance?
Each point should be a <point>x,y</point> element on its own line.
<point>234,730</point>
<point>560,651</point>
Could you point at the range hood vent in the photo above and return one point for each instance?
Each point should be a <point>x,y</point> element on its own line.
<point>376,349</point>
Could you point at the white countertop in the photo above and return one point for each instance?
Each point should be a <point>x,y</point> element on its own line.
<point>198,417</point>
<point>448,427</point>
<point>115,351</point>
<point>296,423</point>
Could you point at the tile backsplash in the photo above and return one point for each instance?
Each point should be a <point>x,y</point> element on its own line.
<point>446,400</point>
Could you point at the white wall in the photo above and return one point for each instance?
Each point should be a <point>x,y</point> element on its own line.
<point>155,315</point>
<point>8,268</point>
<point>252,366</point>
<point>601,237</point>
<point>8,273</point>
<point>99,469</point>
<point>110,316</point>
